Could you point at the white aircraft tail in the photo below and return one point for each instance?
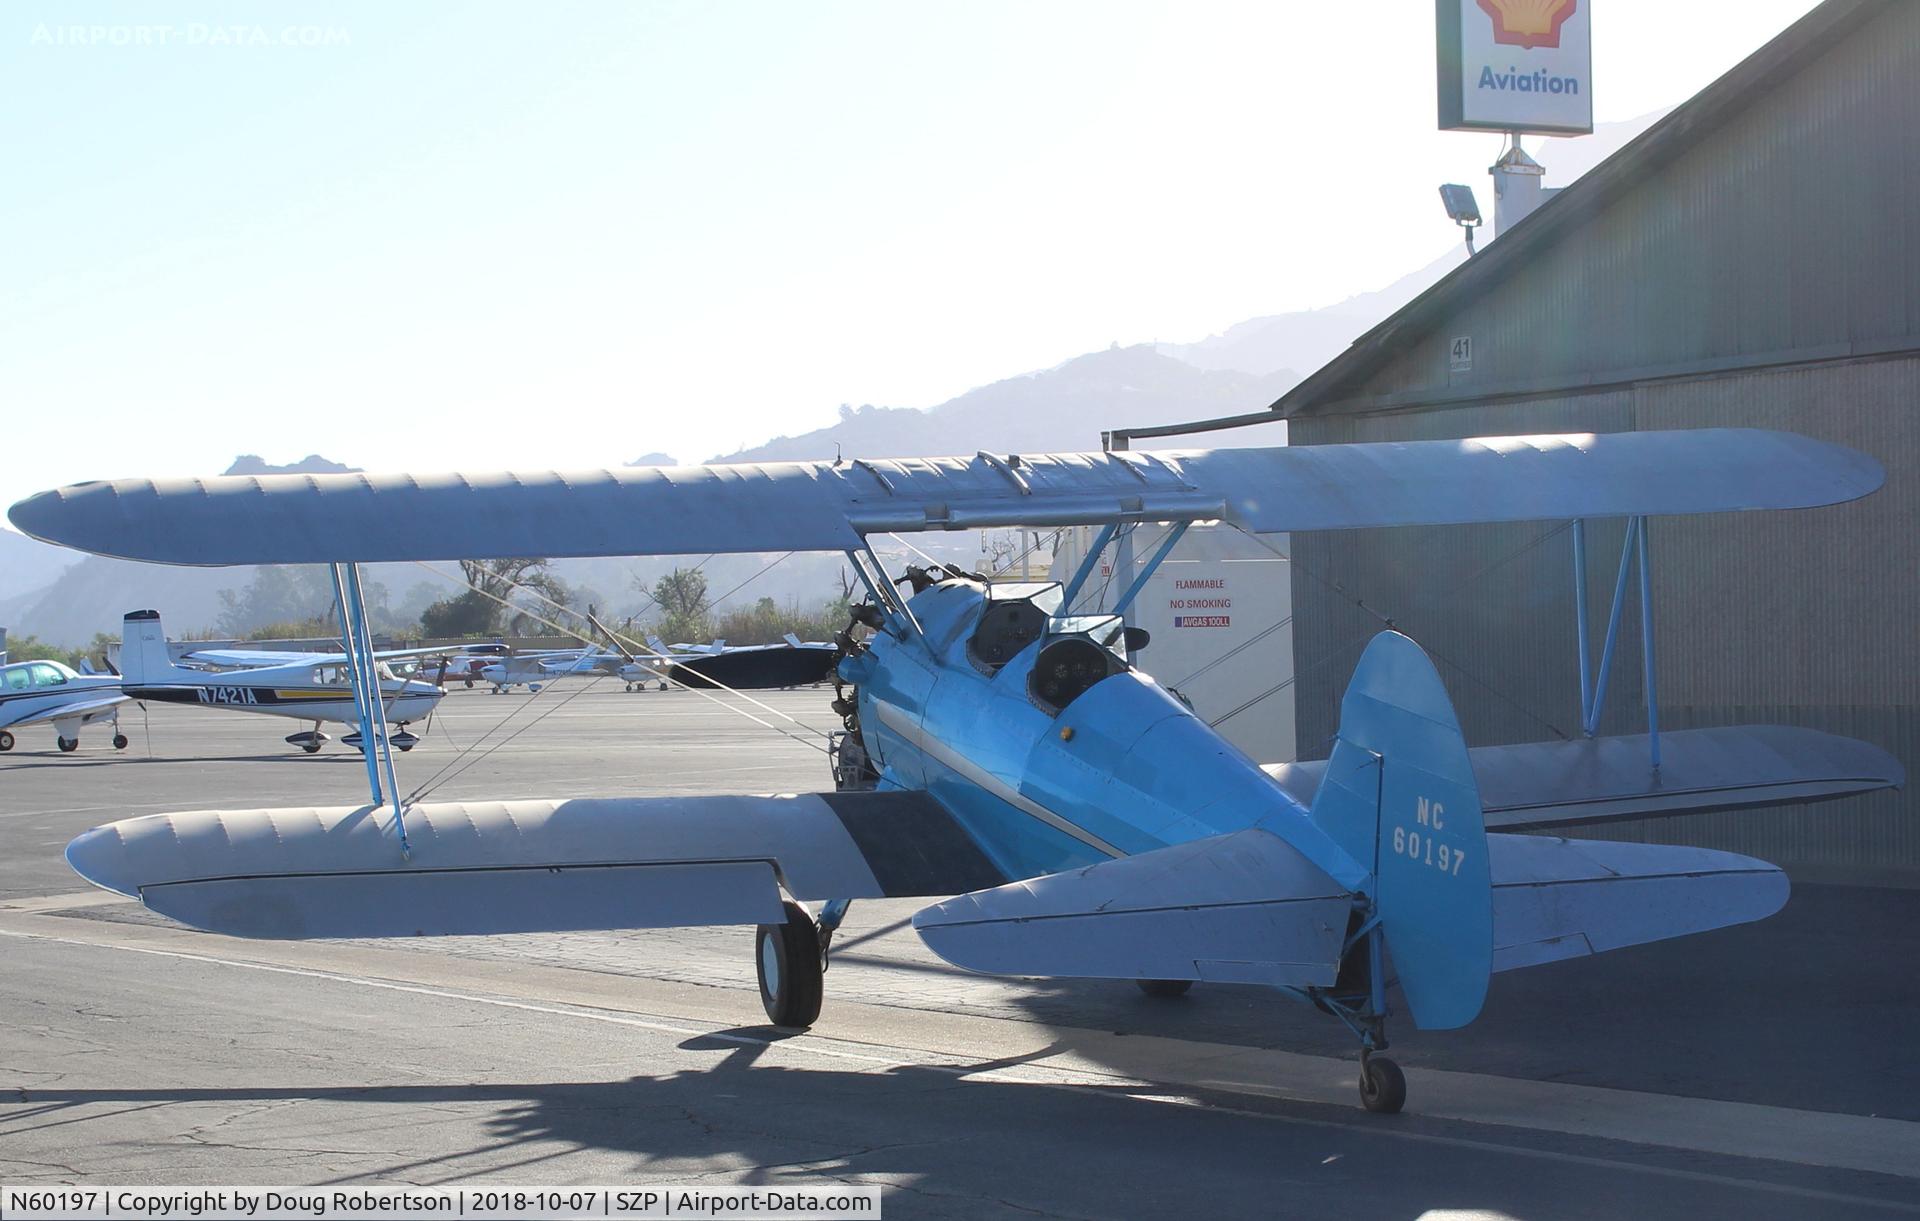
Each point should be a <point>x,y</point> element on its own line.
<point>143,649</point>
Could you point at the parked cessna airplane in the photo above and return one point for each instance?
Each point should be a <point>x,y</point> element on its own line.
<point>1002,748</point>
<point>314,688</point>
<point>34,692</point>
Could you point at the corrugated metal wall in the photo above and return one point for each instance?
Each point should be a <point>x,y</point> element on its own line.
<point>1791,234</point>
<point>1807,618</point>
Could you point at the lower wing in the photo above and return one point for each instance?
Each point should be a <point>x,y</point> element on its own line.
<point>1537,785</point>
<point>529,866</point>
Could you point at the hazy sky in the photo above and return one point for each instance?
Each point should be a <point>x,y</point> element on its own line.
<point>438,235</point>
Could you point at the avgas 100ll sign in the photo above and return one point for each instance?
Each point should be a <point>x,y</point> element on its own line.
<point>1515,65</point>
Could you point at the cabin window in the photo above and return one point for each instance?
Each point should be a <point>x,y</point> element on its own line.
<point>45,675</point>
<point>17,680</point>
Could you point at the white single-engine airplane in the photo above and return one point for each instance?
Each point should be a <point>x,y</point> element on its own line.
<point>1002,748</point>
<point>313,688</point>
<point>34,692</point>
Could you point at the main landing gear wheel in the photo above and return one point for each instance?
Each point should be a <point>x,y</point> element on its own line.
<point>311,747</point>
<point>789,961</point>
<point>69,745</point>
<point>1383,1087</point>
<point>6,740</point>
<point>1164,989</point>
<point>119,741</point>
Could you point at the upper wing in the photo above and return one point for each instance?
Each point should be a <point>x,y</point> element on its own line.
<point>1598,780</point>
<point>819,506</point>
<point>530,866</point>
<point>60,712</point>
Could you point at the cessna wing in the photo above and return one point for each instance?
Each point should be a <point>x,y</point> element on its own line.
<point>820,506</point>
<point>16,713</point>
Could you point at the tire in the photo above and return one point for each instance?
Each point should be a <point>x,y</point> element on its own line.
<point>6,740</point>
<point>69,745</point>
<point>469,684</point>
<point>1383,1087</point>
<point>119,741</point>
<point>787,959</point>
<point>1164,989</point>
<point>312,748</point>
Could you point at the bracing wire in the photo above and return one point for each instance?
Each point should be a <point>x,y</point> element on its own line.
<point>469,756</point>
<point>632,646</point>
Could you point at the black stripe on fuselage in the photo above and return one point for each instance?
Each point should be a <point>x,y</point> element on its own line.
<point>222,695</point>
<point>913,845</point>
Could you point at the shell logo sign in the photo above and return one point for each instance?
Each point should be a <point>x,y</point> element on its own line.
<point>1515,65</point>
<point>1528,23</point>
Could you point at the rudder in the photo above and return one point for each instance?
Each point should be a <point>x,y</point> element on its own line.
<point>143,649</point>
<point>1399,794</point>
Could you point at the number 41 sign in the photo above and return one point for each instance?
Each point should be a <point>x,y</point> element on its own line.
<point>1460,355</point>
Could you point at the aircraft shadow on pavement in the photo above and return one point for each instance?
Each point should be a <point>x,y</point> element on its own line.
<point>1813,1009</point>
<point>949,1142</point>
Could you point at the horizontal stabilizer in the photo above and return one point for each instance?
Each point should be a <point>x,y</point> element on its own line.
<point>1598,780</point>
<point>831,506</point>
<point>529,866</point>
<point>1238,908</point>
<point>1561,898</point>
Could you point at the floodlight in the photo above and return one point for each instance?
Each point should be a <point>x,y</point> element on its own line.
<point>1462,207</point>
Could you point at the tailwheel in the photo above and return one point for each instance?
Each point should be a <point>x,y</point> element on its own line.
<point>1164,989</point>
<point>1383,1087</point>
<point>789,961</point>
<point>69,745</point>
<point>119,741</point>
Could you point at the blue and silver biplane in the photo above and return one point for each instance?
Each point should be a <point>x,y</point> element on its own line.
<point>1002,748</point>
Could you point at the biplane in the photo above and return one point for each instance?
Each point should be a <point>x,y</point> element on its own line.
<point>1002,754</point>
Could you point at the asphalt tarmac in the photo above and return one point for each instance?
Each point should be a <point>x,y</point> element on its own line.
<point>1769,1070</point>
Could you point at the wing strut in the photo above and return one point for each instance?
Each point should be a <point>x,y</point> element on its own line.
<point>363,674</point>
<point>1593,689</point>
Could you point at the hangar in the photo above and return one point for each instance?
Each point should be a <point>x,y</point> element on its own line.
<point>1753,259</point>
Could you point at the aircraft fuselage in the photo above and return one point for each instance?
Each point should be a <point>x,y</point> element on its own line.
<point>1087,760</point>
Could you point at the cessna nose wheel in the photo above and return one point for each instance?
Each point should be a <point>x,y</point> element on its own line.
<point>789,961</point>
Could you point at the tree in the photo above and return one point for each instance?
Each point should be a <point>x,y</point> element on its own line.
<point>491,585</point>
<point>467,614</point>
<point>682,598</point>
<point>280,594</point>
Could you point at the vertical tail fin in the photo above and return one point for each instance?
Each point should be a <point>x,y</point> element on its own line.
<point>143,649</point>
<point>1399,792</point>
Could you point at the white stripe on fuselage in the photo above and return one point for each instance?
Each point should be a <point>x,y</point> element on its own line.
<point>904,725</point>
